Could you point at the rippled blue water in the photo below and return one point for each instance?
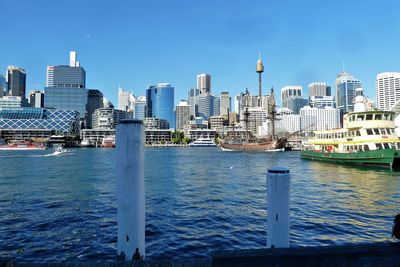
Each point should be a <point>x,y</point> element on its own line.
<point>197,200</point>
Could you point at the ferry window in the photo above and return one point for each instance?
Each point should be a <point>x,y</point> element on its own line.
<point>378,146</point>
<point>360,148</point>
<point>378,116</point>
<point>369,132</point>
<point>358,133</point>
<point>386,145</point>
<point>354,117</point>
<point>389,131</point>
<point>369,117</point>
<point>390,117</point>
<point>360,117</point>
<point>383,132</point>
<point>384,117</point>
<point>366,148</point>
<point>376,131</point>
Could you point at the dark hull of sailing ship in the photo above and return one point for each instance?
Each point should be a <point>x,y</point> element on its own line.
<point>254,146</point>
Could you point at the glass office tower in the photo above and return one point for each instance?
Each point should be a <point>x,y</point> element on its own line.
<point>160,102</point>
<point>66,87</point>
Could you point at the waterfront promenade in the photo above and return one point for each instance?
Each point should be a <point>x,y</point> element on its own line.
<point>367,255</point>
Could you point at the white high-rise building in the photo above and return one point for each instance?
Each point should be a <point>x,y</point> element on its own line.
<point>126,100</point>
<point>182,112</point>
<point>287,121</point>
<point>318,119</point>
<point>387,89</point>
<point>322,101</point>
<point>204,83</point>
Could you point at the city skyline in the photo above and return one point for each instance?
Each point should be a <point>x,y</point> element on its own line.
<point>299,43</point>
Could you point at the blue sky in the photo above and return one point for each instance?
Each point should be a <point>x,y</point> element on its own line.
<point>138,43</point>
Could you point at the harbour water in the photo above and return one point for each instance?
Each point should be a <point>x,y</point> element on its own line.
<point>197,200</point>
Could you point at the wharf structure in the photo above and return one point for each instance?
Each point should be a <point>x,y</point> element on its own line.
<point>27,123</point>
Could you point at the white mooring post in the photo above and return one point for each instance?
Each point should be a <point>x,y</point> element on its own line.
<point>130,189</point>
<point>278,208</point>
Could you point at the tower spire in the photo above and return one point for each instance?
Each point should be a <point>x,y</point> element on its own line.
<point>259,70</point>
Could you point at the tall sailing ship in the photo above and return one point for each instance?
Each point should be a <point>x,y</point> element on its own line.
<point>269,143</point>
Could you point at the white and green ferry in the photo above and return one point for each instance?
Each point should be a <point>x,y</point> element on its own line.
<point>368,137</point>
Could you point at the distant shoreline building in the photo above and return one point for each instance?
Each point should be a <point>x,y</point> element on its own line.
<point>182,111</point>
<point>387,89</point>
<point>319,89</point>
<point>16,81</point>
<point>346,86</point>
<point>160,102</point>
<point>292,98</point>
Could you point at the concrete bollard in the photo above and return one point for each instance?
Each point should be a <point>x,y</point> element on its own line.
<point>278,208</point>
<point>130,189</point>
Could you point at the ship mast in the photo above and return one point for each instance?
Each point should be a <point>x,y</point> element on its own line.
<point>272,111</point>
<point>246,114</point>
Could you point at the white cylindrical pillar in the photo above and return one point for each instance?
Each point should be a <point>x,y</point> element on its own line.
<point>130,189</point>
<point>278,208</point>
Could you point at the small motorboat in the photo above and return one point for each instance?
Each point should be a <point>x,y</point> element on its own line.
<point>60,150</point>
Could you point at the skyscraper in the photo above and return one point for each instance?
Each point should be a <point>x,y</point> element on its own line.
<point>291,90</point>
<point>16,80</point>
<point>204,83</point>
<point>182,115</point>
<point>192,97</point>
<point>292,98</point>
<point>208,105</point>
<point>140,108</point>
<point>66,87</point>
<point>346,86</point>
<point>3,86</point>
<point>36,99</point>
<point>225,104</point>
<point>319,89</point>
<point>95,101</point>
<point>160,102</point>
<point>126,100</point>
<point>387,89</point>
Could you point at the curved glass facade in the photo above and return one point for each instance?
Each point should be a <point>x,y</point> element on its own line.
<point>160,103</point>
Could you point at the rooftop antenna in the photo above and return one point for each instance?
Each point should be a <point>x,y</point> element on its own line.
<point>343,65</point>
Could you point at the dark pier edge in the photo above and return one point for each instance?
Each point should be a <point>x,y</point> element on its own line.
<point>374,254</point>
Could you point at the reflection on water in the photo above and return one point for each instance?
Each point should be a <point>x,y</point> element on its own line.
<point>197,200</point>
